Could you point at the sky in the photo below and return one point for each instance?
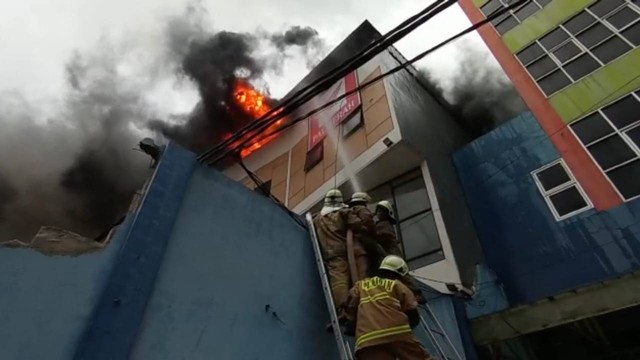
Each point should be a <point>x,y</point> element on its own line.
<point>37,37</point>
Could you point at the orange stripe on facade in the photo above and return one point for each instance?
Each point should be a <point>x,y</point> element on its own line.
<point>593,181</point>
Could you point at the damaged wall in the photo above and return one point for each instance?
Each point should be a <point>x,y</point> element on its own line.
<point>46,301</point>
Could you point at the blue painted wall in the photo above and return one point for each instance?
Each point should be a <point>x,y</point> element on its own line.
<point>532,254</point>
<point>233,258</point>
<point>46,301</point>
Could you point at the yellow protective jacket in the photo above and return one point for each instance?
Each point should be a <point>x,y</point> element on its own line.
<point>387,238</point>
<point>332,233</point>
<point>379,307</point>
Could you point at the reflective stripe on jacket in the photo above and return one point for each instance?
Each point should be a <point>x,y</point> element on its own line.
<point>378,305</point>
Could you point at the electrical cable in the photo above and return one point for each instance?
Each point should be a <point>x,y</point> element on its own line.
<point>367,83</point>
<point>314,88</point>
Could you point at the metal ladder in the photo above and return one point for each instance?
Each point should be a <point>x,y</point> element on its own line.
<point>440,332</point>
<point>343,346</point>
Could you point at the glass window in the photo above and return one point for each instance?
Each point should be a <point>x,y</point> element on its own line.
<point>490,7</point>
<point>625,178</point>
<point>579,22</point>
<point>560,190</point>
<point>554,38</point>
<point>568,201</point>
<point>581,66</point>
<point>634,135</point>
<point>604,7</point>
<point>352,124</point>
<point>611,151</point>
<point>507,25</point>
<point>594,35</point>
<point>611,49</point>
<point>420,236</point>
<point>624,112</point>
<point>527,10</point>
<point>552,177</point>
<point>554,82</point>
<point>541,67</point>
<point>619,154</point>
<point>411,198</point>
<point>633,34</point>
<point>592,128</point>
<point>531,53</point>
<point>567,52</point>
<point>622,18</point>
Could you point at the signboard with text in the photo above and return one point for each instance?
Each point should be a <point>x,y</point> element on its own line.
<point>336,113</point>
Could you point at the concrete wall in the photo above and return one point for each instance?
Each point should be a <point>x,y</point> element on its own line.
<point>427,125</point>
<point>233,259</point>
<point>532,254</point>
<point>47,301</point>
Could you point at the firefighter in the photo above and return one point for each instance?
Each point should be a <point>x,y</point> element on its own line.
<point>386,232</point>
<point>363,225</point>
<point>385,311</point>
<point>385,228</point>
<point>332,224</point>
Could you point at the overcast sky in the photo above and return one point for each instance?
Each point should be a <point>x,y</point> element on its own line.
<point>37,37</point>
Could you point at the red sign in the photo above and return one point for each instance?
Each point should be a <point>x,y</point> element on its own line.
<point>336,113</point>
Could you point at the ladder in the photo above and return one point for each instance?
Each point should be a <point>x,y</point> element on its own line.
<point>438,331</point>
<point>343,346</point>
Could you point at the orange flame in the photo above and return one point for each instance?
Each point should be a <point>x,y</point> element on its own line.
<point>254,103</point>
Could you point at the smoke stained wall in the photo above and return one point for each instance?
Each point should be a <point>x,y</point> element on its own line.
<point>74,167</point>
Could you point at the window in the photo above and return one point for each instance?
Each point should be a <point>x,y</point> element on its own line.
<point>611,135</point>
<point>314,156</point>
<point>416,226</point>
<point>560,190</point>
<point>589,40</point>
<point>514,17</point>
<point>352,124</point>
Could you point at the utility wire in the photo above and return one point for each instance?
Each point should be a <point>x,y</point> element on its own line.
<point>292,102</point>
<point>392,71</point>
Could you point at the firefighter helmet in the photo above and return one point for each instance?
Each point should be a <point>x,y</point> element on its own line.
<point>333,196</point>
<point>386,206</point>
<point>396,264</point>
<point>360,197</point>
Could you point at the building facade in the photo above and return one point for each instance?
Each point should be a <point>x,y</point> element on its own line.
<point>554,193</point>
<point>393,139</point>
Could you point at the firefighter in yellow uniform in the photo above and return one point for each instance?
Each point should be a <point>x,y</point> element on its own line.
<point>386,231</point>
<point>385,311</point>
<point>331,225</point>
<point>385,228</point>
<point>364,232</point>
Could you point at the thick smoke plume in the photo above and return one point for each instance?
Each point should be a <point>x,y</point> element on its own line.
<point>481,95</point>
<point>74,167</point>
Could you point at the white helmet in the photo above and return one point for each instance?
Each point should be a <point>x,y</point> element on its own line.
<point>333,201</point>
<point>386,205</point>
<point>396,264</point>
<point>360,197</point>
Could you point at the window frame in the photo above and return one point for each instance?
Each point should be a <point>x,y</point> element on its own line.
<point>622,133</point>
<point>546,194</point>
<point>511,13</point>
<point>583,49</point>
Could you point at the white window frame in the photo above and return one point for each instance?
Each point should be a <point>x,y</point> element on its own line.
<point>622,133</point>
<point>560,65</point>
<point>512,13</point>
<point>546,194</point>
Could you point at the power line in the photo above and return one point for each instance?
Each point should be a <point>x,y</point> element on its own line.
<point>392,71</point>
<point>314,88</point>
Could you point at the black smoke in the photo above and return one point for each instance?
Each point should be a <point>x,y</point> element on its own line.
<point>214,62</point>
<point>480,94</point>
<point>70,164</point>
